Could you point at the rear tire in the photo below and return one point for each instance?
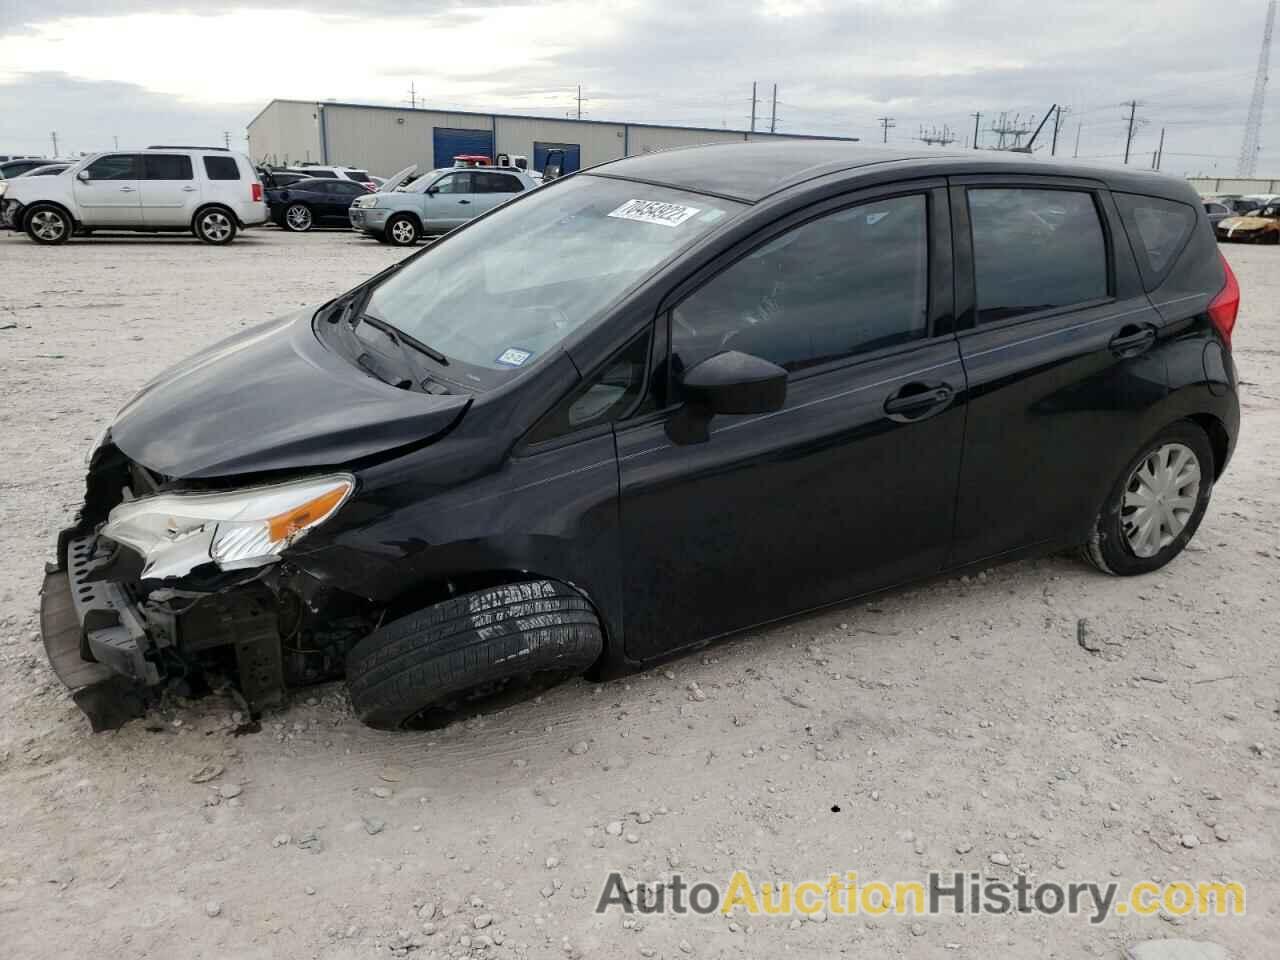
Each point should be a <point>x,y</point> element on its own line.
<point>215,226</point>
<point>402,231</point>
<point>297,218</point>
<point>48,224</point>
<point>471,645</point>
<point>1123,545</point>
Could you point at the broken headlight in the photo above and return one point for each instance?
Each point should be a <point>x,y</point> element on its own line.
<point>176,532</point>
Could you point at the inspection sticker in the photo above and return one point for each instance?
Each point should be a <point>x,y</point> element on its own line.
<point>513,357</point>
<point>655,211</point>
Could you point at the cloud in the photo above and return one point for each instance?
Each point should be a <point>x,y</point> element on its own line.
<point>839,66</point>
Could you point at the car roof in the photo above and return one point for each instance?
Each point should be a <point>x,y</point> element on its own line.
<point>752,170</point>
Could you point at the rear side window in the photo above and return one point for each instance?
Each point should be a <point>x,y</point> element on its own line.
<point>496,183</point>
<point>845,283</point>
<point>167,166</point>
<point>328,174</point>
<point>1034,250</point>
<point>358,174</point>
<point>1159,230</point>
<point>116,166</point>
<point>221,168</point>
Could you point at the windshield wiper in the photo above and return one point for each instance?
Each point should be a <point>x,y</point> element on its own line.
<point>400,338</point>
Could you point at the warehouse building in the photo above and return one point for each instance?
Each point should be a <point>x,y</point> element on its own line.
<point>383,140</point>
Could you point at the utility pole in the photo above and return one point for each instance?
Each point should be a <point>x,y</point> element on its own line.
<point>54,135</point>
<point>773,114</point>
<point>116,141</point>
<point>753,106</point>
<point>1057,125</point>
<point>1079,124</point>
<point>1253,125</point>
<point>1133,121</point>
<point>580,98</point>
<point>226,138</point>
<point>413,96</point>
<point>886,124</point>
<point>977,117</point>
<point>1160,150</point>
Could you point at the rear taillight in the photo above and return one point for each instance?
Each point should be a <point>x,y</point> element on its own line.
<point>257,191</point>
<point>1224,307</point>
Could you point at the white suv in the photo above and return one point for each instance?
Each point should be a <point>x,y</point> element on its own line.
<point>207,191</point>
<point>335,173</point>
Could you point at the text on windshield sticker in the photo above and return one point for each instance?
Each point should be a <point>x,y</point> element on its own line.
<point>655,211</point>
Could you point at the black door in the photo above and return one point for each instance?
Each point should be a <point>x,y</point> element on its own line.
<point>1056,339</point>
<point>851,486</point>
<point>338,197</point>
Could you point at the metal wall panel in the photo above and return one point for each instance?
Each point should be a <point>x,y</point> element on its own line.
<point>384,141</point>
<point>285,132</point>
<point>649,139</point>
<point>599,141</point>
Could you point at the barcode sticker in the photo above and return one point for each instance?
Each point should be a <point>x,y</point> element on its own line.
<point>655,211</point>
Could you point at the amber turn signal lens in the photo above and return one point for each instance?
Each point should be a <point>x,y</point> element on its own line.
<point>286,524</point>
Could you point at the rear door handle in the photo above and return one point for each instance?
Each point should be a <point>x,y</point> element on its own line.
<point>188,189</point>
<point>917,401</point>
<point>126,190</point>
<point>1133,339</point>
<point>464,201</point>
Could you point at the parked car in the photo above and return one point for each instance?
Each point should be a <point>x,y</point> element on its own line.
<point>1256,226</point>
<point>313,203</point>
<point>207,191</point>
<point>1216,211</point>
<point>436,202</point>
<point>272,179</point>
<point>651,404</point>
<point>15,168</point>
<point>334,173</point>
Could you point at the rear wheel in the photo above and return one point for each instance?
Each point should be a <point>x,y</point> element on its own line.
<point>215,226</point>
<point>1157,504</point>
<point>402,231</point>
<point>48,224</point>
<point>431,663</point>
<point>297,217</point>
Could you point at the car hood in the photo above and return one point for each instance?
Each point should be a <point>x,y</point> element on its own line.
<point>1243,223</point>
<point>273,398</point>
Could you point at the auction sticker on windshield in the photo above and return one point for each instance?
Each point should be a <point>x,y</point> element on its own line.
<point>655,211</point>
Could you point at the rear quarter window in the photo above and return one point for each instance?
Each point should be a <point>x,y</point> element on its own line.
<point>221,168</point>
<point>1159,230</point>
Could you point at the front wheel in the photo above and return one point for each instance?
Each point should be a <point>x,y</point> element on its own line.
<point>428,664</point>
<point>1157,504</point>
<point>402,231</point>
<point>46,224</point>
<point>215,226</point>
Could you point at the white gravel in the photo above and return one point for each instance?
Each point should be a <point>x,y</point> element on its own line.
<point>968,708</point>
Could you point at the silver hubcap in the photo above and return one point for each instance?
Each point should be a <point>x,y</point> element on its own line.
<point>402,231</point>
<point>47,225</point>
<point>216,226</point>
<point>1160,498</point>
<point>299,218</point>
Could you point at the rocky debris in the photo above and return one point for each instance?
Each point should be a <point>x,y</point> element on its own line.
<point>1000,858</point>
<point>373,825</point>
<point>615,762</point>
<point>427,911</point>
<point>1176,950</point>
<point>209,771</point>
<point>310,841</point>
<point>964,846</point>
<point>917,930</point>
<point>579,748</point>
<point>281,840</point>
<point>614,828</point>
<point>482,920</point>
<point>1189,840</point>
<point>696,693</point>
<point>229,791</point>
<point>382,793</point>
<point>212,908</point>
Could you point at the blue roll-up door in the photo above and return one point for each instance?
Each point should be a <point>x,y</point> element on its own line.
<point>451,141</point>
<point>572,155</point>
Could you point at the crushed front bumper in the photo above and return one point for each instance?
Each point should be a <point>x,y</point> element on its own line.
<point>93,637</point>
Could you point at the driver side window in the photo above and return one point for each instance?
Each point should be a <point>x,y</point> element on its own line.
<point>845,283</point>
<point>454,183</point>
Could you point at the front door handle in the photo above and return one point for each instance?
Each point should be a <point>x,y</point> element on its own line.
<point>464,201</point>
<point>126,190</point>
<point>188,189</point>
<point>917,401</point>
<point>1133,339</point>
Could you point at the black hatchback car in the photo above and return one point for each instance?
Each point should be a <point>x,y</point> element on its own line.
<point>649,405</point>
<point>314,202</point>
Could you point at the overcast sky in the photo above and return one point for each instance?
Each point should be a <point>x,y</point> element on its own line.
<point>145,71</point>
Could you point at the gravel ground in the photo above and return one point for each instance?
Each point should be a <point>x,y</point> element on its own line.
<point>957,726</point>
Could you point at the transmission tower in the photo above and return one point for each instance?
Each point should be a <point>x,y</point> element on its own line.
<point>933,135</point>
<point>1253,126</point>
<point>1011,132</point>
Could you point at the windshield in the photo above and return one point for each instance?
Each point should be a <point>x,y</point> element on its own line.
<point>512,286</point>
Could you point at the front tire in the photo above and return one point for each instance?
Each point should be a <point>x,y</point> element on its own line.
<point>215,226</point>
<point>441,656</point>
<point>48,224</point>
<point>1157,504</point>
<point>297,218</point>
<point>402,231</point>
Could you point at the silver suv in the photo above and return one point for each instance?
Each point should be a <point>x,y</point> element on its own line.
<point>409,208</point>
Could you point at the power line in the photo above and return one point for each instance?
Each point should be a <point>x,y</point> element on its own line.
<point>886,124</point>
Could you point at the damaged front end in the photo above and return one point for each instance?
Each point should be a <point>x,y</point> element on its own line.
<point>163,585</point>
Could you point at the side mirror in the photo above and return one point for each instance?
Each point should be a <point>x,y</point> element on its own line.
<point>730,382</point>
<point>83,175</point>
<point>432,191</point>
